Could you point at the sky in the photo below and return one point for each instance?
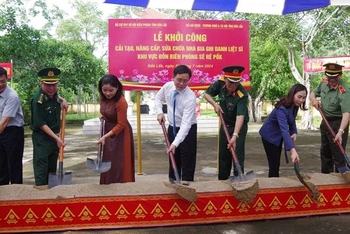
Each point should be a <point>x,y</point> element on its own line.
<point>38,22</point>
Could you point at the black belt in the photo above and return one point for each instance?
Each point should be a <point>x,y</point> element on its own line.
<point>42,132</point>
<point>13,127</point>
<point>333,118</point>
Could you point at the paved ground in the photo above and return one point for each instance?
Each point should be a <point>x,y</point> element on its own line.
<point>155,164</point>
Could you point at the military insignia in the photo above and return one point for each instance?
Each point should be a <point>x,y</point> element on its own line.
<point>331,66</point>
<point>50,73</point>
<point>222,78</point>
<point>341,89</point>
<point>325,80</point>
<point>41,99</point>
<point>233,94</point>
<point>240,93</point>
<point>235,71</point>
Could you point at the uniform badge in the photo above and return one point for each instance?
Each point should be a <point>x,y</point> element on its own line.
<point>341,89</point>
<point>41,99</point>
<point>240,93</point>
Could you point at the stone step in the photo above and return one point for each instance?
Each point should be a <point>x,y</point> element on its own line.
<point>149,124</point>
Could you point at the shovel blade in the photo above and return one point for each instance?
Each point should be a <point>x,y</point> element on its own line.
<point>98,167</point>
<point>240,178</point>
<point>65,179</point>
<point>342,170</point>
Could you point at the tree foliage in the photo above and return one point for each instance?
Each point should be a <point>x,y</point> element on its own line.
<point>31,50</point>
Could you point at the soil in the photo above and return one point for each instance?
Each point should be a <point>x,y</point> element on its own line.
<point>153,171</point>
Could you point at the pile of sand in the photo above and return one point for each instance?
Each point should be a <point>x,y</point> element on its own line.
<point>28,192</point>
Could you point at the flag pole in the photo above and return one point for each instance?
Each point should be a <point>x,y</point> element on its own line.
<point>12,74</point>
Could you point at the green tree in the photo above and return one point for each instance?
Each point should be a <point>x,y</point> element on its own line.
<point>86,25</point>
<point>31,50</point>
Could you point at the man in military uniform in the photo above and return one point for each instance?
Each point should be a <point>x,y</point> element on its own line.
<point>45,123</point>
<point>233,106</point>
<point>335,103</point>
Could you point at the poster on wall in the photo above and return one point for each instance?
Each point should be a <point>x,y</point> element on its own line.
<point>313,65</point>
<point>144,52</point>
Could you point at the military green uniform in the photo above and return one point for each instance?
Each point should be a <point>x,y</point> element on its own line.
<point>45,111</point>
<point>232,104</point>
<point>334,102</point>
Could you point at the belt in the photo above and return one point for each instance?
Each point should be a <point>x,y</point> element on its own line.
<point>13,127</point>
<point>333,118</point>
<point>42,132</point>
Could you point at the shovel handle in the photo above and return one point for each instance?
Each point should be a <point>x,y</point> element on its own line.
<point>171,155</point>
<point>234,156</point>
<point>62,134</point>
<point>102,132</point>
<point>333,134</point>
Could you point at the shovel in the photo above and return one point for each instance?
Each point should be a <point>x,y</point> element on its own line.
<point>315,194</point>
<point>98,165</point>
<point>242,191</point>
<point>61,178</point>
<point>185,192</point>
<point>241,177</point>
<point>344,169</point>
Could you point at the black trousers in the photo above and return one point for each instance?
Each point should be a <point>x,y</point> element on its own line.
<point>11,155</point>
<point>185,154</point>
<point>273,154</point>
<point>331,156</point>
<point>225,155</point>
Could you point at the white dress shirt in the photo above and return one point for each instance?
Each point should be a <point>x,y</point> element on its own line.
<point>185,112</point>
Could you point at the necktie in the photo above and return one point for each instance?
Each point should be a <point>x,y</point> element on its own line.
<point>174,107</point>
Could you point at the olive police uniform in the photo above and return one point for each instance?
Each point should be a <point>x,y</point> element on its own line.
<point>334,102</point>
<point>45,111</point>
<point>232,104</point>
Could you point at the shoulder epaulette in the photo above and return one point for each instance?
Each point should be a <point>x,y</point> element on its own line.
<point>325,80</point>
<point>41,99</point>
<point>240,93</point>
<point>222,78</point>
<point>341,89</point>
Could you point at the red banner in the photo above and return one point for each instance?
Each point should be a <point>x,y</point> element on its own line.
<point>145,52</point>
<point>135,211</point>
<point>313,65</point>
<point>8,67</point>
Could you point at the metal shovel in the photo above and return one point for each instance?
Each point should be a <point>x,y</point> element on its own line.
<point>185,192</point>
<point>241,177</point>
<point>344,169</point>
<point>98,165</point>
<point>315,194</point>
<point>61,178</point>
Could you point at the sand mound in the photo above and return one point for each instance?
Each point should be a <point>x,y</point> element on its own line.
<point>29,192</point>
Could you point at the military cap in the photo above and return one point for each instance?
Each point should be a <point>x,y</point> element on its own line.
<point>333,69</point>
<point>49,75</point>
<point>233,73</point>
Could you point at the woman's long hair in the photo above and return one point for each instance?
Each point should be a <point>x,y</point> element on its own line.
<point>113,81</point>
<point>288,101</point>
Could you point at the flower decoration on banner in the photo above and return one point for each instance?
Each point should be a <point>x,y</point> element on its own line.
<point>163,76</point>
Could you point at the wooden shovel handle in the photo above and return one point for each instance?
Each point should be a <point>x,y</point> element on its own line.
<point>331,130</point>
<point>171,155</point>
<point>62,134</point>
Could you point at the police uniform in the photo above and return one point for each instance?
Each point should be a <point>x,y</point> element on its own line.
<point>232,104</point>
<point>334,102</point>
<point>45,111</point>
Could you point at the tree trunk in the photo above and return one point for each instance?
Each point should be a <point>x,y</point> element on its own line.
<point>251,109</point>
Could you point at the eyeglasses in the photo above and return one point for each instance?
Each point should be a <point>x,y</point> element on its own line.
<point>178,80</point>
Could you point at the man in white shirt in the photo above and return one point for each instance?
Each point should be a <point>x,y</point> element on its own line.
<point>182,130</point>
<point>11,134</point>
